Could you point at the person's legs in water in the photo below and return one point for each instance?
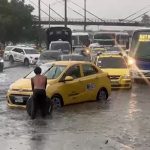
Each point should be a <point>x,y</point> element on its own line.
<point>34,104</point>
<point>42,102</point>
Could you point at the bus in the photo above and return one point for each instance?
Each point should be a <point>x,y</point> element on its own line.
<point>139,54</point>
<point>120,39</point>
<point>80,38</point>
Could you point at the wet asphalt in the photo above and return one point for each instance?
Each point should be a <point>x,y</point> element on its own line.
<point>123,123</point>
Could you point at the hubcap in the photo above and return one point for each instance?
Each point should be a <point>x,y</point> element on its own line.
<point>57,102</point>
<point>102,95</point>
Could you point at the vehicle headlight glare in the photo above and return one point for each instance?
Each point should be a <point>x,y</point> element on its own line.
<point>131,61</point>
<point>126,77</point>
<point>1,60</point>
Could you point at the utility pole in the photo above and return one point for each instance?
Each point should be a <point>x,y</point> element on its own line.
<point>39,5</point>
<point>66,13</point>
<point>49,15</point>
<point>84,15</point>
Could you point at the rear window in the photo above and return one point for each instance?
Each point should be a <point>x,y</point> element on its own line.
<point>60,46</point>
<point>49,56</point>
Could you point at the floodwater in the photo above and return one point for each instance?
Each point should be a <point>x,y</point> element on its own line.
<point>123,123</point>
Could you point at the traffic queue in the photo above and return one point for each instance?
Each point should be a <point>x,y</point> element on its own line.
<point>88,74</point>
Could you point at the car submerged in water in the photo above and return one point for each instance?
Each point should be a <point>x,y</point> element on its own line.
<point>68,82</point>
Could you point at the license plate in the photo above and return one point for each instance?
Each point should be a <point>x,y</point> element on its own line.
<point>18,99</point>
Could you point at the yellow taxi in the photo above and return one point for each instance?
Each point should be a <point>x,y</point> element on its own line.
<point>116,66</point>
<point>68,82</point>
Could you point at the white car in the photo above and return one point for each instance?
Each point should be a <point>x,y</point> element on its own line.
<point>27,55</point>
<point>7,52</point>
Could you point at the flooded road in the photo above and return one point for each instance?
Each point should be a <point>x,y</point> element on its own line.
<point>123,123</point>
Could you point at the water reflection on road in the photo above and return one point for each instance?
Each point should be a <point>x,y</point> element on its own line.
<point>124,121</point>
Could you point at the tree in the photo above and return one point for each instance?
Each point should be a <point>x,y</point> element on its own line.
<point>16,22</point>
<point>146,20</point>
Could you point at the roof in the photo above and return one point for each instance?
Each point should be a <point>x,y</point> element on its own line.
<point>69,62</point>
<point>59,41</point>
<point>22,47</point>
<point>111,32</point>
<point>80,33</point>
<point>109,55</point>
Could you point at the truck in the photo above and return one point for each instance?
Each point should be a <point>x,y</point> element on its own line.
<point>59,38</point>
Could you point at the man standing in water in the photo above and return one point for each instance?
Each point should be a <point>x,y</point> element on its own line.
<point>38,83</point>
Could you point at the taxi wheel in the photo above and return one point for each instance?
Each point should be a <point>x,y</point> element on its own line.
<point>57,101</point>
<point>26,62</point>
<point>102,94</point>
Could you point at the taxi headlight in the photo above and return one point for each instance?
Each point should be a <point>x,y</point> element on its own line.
<point>126,77</point>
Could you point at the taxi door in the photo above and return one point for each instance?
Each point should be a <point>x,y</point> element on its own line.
<point>90,81</point>
<point>72,90</point>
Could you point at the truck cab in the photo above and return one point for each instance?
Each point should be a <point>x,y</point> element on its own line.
<point>63,46</point>
<point>59,38</point>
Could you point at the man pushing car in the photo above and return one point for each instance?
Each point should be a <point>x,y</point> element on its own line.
<point>38,83</point>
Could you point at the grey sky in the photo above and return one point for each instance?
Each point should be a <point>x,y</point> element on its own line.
<point>107,9</point>
<point>110,9</point>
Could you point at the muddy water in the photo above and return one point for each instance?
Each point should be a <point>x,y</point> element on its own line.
<point>123,123</point>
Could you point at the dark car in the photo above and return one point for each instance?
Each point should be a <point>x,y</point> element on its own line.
<point>1,64</point>
<point>74,57</point>
<point>47,56</point>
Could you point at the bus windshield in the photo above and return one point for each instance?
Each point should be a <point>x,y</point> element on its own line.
<point>79,39</point>
<point>105,38</point>
<point>140,47</point>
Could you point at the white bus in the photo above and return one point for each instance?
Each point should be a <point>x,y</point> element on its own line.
<point>120,39</point>
<point>80,38</point>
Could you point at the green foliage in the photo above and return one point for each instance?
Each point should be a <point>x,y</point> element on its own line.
<point>16,22</point>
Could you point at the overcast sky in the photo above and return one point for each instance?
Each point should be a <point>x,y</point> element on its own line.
<point>110,9</point>
<point>107,9</point>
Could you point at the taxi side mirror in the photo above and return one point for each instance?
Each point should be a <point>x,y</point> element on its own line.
<point>68,78</point>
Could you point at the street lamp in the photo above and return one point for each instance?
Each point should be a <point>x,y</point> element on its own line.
<point>9,1</point>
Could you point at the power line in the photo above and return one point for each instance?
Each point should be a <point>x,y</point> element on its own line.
<point>53,10</point>
<point>134,13</point>
<point>139,16</point>
<point>74,10</point>
<point>41,10</point>
<point>88,11</point>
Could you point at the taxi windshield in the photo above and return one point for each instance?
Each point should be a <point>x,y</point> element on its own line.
<point>44,68</point>
<point>111,62</point>
<point>55,71</point>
